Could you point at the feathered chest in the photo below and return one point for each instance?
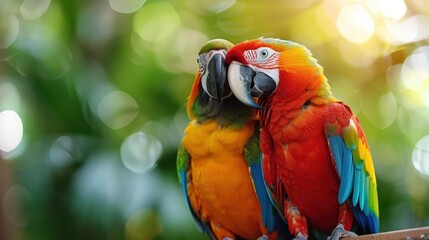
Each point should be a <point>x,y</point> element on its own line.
<point>207,139</point>
<point>303,162</point>
<point>296,125</point>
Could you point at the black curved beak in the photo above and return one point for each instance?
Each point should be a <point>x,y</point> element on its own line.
<point>245,83</point>
<point>216,77</point>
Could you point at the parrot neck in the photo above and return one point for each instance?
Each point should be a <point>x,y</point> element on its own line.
<point>234,114</point>
<point>290,100</point>
<point>230,112</point>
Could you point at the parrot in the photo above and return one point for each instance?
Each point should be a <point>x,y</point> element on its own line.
<point>316,160</point>
<point>218,160</point>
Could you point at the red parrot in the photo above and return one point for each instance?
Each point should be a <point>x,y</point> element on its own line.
<point>316,159</point>
<point>218,161</point>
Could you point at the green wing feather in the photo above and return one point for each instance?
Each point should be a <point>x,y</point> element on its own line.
<point>183,161</point>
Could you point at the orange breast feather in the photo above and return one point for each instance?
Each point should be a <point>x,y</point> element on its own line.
<point>221,190</point>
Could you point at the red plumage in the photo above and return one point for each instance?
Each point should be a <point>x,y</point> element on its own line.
<point>316,160</point>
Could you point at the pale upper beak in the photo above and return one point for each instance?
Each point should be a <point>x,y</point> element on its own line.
<point>246,83</point>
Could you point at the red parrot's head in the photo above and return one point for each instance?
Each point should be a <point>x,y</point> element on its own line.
<point>274,68</point>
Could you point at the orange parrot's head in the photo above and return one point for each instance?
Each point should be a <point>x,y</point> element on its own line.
<point>210,85</point>
<point>272,68</point>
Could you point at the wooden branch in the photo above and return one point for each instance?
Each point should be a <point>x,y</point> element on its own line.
<point>406,234</point>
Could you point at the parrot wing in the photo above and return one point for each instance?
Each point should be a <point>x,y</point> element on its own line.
<point>353,162</point>
<point>271,217</point>
<point>183,164</point>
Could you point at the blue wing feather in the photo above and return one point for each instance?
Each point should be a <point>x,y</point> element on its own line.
<point>356,187</point>
<point>368,222</point>
<point>355,183</point>
<point>362,197</point>
<point>271,218</point>
<point>343,158</point>
<point>347,175</point>
<point>264,200</point>
<point>335,144</point>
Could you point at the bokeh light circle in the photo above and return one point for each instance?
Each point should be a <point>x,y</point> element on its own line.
<point>62,153</point>
<point>420,156</point>
<point>126,6</point>
<point>402,32</point>
<point>415,69</point>
<point>140,152</point>
<point>9,95</point>
<point>33,9</point>
<point>390,9</point>
<point>12,199</point>
<point>218,6</point>
<point>11,130</point>
<point>380,111</point>
<point>156,22</point>
<point>117,109</point>
<point>9,29</point>
<point>355,23</point>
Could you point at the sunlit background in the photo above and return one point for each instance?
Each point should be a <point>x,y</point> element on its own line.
<point>92,98</point>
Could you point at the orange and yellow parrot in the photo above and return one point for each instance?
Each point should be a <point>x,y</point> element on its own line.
<point>218,161</point>
<point>316,160</point>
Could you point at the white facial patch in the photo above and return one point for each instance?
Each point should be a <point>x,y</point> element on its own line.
<point>264,59</point>
<point>203,61</point>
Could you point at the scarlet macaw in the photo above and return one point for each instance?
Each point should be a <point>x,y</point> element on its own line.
<point>218,161</point>
<point>316,159</point>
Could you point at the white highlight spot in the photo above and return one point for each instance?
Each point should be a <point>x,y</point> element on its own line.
<point>405,31</point>
<point>126,6</point>
<point>355,23</point>
<point>390,9</point>
<point>11,130</point>
<point>420,156</point>
<point>140,152</point>
<point>415,69</point>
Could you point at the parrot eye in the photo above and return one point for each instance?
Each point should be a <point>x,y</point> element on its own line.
<point>263,53</point>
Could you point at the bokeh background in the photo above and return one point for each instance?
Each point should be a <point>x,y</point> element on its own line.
<point>92,104</point>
